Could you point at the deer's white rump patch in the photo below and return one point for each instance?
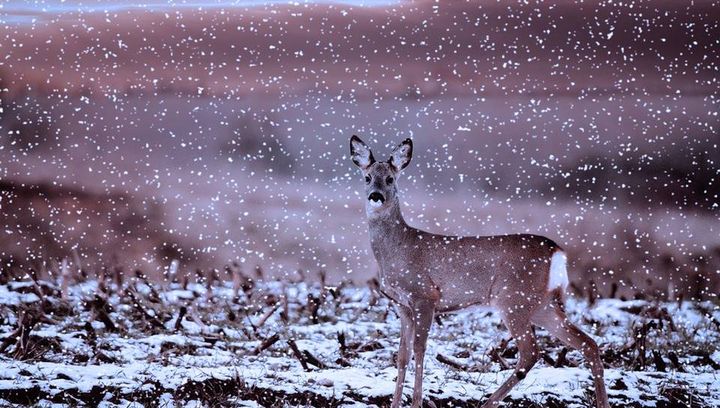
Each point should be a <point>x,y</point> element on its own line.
<point>558,271</point>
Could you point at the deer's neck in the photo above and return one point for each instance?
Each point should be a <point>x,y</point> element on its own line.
<point>387,230</point>
<point>389,218</point>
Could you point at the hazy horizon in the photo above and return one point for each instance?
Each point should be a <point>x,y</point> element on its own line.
<point>19,12</point>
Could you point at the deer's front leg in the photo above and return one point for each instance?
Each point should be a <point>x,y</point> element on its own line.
<point>423,311</point>
<point>403,357</point>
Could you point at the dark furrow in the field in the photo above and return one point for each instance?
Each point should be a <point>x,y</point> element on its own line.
<point>215,392</point>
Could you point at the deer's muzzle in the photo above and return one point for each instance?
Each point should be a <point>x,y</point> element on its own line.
<point>376,197</point>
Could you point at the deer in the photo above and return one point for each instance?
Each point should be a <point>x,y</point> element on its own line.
<point>521,276</point>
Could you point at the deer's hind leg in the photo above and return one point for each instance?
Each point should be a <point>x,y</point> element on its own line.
<point>522,331</point>
<point>555,321</point>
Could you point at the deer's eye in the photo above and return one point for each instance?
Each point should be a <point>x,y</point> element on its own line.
<point>389,180</point>
<point>367,179</point>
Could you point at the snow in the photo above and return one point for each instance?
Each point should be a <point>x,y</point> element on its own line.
<point>163,363</point>
<point>8,297</point>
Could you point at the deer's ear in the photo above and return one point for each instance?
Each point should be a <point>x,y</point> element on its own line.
<point>360,153</point>
<point>401,155</point>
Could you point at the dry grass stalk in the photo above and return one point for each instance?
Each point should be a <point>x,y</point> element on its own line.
<point>199,276</point>
<point>707,360</point>
<point>196,319</point>
<point>237,278</point>
<point>267,315</point>
<point>101,311</point>
<point>259,272</point>
<point>495,354</point>
<point>298,354</point>
<point>659,362</point>
<point>267,343</point>
<point>285,313</point>
<point>102,281</point>
<point>44,270</point>
<point>592,293</point>
<point>374,286</point>
<point>65,276</point>
<point>36,285</point>
<point>452,363</point>
<point>23,348</point>
<point>118,278</point>
<point>313,306</point>
<point>172,271</point>
<point>33,275</point>
<point>26,323</point>
<point>135,302</point>
<point>77,262</point>
<point>154,295</point>
<point>548,359</point>
<point>311,359</point>
<point>305,357</point>
<point>91,335</point>
<point>323,284</point>
<point>676,362</point>
<point>212,278</point>
<point>181,315</point>
<point>562,360</point>
<point>343,344</point>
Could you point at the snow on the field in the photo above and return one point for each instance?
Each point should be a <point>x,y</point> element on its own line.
<point>216,348</point>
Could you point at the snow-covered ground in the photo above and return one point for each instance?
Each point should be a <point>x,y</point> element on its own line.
<point>345,336</point>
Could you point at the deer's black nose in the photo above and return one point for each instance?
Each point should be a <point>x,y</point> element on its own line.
<point>375,196</point>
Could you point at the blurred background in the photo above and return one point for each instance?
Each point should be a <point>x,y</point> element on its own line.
<point>134,134</point>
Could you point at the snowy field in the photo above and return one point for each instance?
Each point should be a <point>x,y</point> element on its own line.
<point>297,344</point>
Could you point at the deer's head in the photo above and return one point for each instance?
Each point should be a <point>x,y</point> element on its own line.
<point>380,177</point>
